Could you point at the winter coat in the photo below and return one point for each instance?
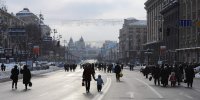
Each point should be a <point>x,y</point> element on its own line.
<point>14,74</point>
<point>88,71</point>
<point>156,72</point>
<point>172,77</point>
<point>189,71</point>
<point>26,75</point>
<point>117,69</point>
<point>99,81</point>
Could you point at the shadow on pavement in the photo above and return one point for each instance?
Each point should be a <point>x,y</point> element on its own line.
<point>89,95</point>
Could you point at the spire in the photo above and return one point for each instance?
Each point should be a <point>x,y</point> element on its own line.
<point>81,39</point>
<point>71,40</point>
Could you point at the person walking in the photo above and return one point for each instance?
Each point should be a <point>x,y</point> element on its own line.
<point>117,72</point>
<point>164,76</point>
<point>189,73</point>
<point>177,74</point>
<point>2,67</point>
<point>99,83</point>
<point>26,76</point>
<point>88,71</point>
<point>14,76</point>
<point>156,75</point>
<point>172,79</point>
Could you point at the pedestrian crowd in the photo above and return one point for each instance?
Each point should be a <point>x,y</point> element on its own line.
<point>175,74</point>
<point>70,67</point>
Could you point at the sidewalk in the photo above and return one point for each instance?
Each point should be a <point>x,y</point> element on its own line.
<point>5,76</point>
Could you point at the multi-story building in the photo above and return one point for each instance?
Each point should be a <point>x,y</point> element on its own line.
<point>154,30</point>
<point>27,16</point>
<point>41,31</point>
<point>170,13</point>
<point>12,34</point>
<point>174,26</point>
<point>77,48</point>
<point>189,31</point>
<point>91,52</point>
<point>109,52</point>
<point>131,39</point>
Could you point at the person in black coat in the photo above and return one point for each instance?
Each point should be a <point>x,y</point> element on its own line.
<point>26,76</point>
<point>14,76</point>
<point>189,72</point>
<point>164,76</point>
<point>117,71</point>
<point>87,73</point>
<point>156,75</point>
<point>3,67</point>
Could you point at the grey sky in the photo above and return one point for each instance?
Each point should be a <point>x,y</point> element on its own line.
<point>58,11</point>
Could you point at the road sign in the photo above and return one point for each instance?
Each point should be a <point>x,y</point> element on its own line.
<point>185,23</point>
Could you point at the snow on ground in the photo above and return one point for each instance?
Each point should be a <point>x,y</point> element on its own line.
<point>6,74</point>
<point>9,66</point>
<point>197,75</point>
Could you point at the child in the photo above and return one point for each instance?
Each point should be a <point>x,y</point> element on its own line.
<point>99,83</point>
<point>172,78</point>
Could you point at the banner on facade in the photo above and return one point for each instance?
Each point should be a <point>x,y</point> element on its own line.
<point>198,23</point>
<point>162,49</point>
<point>36,50</point>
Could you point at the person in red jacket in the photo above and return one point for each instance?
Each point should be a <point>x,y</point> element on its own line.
<point>172,79</point>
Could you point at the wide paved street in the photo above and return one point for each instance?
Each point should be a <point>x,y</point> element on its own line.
<point>62,85</point>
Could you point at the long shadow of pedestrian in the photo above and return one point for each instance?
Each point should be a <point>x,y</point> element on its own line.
<point>24,90</point>
<point>89,95</point>
<point>19,91</point>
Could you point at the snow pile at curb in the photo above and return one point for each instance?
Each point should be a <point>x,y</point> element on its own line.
<point>138,67</point>
<point>197,75</point>
<point>7,73</point>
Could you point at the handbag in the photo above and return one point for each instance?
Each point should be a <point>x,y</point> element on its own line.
<point>30,84</point>
<point>11,76</point>
<point>150,78</point>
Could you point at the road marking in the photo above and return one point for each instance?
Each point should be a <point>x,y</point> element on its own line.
<point>158,94</point>
<point>186,95</point>
<point>105,90</point>
<point>197,90</point>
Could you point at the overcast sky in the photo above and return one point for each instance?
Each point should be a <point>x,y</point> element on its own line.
<point>57,12</point>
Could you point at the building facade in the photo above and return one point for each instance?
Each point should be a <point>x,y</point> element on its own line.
<point>170,13</point>
<point>177,30</point>
<point>131,39</point>
<point>189,42</point>
<point>77,48</point>
<point>154,31</point>
<point>12,34</point>
<point>27,16</point>
<point>109,52</point>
